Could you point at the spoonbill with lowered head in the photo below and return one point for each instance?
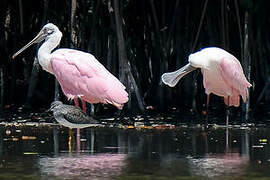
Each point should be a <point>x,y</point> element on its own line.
<point>222,75</point>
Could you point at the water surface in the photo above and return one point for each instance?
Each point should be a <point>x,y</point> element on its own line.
<point>44,152</point>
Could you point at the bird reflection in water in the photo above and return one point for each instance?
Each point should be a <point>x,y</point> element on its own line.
<point>83,166</point>
<point>218,164</point>
<point>221,164</point>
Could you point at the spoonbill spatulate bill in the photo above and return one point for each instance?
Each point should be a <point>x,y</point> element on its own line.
<point>222,74</point>
<point>79,73</point>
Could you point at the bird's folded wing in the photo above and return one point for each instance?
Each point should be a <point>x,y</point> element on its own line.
<point>80,74</point>
<point>232,73</point>
<point>77,116</point>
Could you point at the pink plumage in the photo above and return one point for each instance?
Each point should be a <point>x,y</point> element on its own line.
<point>234,78</point>
<point>222,74</point>
<point>81,75</point>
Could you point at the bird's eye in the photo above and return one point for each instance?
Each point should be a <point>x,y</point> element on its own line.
<point>48,31</point>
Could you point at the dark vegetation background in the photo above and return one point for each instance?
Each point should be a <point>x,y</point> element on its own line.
<point>138,40</point>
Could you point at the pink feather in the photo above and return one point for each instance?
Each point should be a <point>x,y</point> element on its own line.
<point>232,74</point>
<point>222,74</point>
<point>81,75</point>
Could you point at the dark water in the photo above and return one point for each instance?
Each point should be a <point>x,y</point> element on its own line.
<point>30,152</point>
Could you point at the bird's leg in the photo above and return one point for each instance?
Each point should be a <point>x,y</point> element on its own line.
<point>78,130</point>
<point>78,134</point>
<point>76,101</point>
<point>71,140</point>
<point>77,104</point>
<point>207,109</point>
<point>78,140</point>
<point>84,106</point>
<point>228,112</point>
<point>227,149</point>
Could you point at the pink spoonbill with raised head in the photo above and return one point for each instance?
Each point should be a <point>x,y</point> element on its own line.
<point>222,75</point>
<point>80,74</point>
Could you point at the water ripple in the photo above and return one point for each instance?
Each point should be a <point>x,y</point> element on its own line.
<point>218,165</point>
<point>96,166</point>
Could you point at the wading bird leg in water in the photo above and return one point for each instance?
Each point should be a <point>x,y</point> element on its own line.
<point>70,140</point>
<point>78,136</point>
<point>71,134</point>
<point>78,140</point>
<point>227,148</point>
<point>207,109</point>
<point>228,112</point>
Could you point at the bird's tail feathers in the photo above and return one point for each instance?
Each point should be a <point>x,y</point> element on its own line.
<point>117,105</point>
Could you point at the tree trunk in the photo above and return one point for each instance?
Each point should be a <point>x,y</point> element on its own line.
<point>194,102</point>
<point>109,63</point>
<point>35,67</point>
<point>240,29</point>
<point>32,83</point>
<point>246,65</point>
<point>94,37</point>
<point>73,37</point>
<point>164,46</point>
<point>161,56</point>
<point>2,91</point>
<point>124,65</point>
<point>223,24</point>
<point>21,17</point>
<point>72,19</point>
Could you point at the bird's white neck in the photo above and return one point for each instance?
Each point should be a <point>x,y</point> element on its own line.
<point>44,52</point>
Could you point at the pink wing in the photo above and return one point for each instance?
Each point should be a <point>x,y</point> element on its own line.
<point>81,75</point>
<point>232,73</point>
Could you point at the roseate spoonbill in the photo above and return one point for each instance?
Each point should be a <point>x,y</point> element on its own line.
<point>80,74</point>
<point>222,75</point>
<point>71,116</point>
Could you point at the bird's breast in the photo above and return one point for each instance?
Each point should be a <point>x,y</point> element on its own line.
<point>214,83</point>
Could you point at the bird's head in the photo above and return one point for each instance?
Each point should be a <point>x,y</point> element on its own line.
<point>55,105</point>
<point>199,60</point>
<point>45,33</point>
<point>49,29</point>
